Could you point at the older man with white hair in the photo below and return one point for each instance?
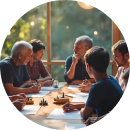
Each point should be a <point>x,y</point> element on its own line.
<point>75,71</point>
<point>14,73</point>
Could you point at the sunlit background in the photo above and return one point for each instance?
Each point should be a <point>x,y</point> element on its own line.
<point>69,20</point>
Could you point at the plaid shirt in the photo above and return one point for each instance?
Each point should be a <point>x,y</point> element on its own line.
<point>37,69</point>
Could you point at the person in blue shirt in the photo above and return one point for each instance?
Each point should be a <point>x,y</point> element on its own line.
<point>121,57</point>
<point>14,73</point>
<point>75,71</point>
<point>125,78</point>
<point>105,93</point>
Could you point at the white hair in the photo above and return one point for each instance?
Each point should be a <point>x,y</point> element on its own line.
<point>86,41</point>
<point>21,47</point>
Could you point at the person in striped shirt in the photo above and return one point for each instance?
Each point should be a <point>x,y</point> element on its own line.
<point>121,57</point>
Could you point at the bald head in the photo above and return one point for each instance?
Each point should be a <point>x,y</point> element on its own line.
<point>21,47</point>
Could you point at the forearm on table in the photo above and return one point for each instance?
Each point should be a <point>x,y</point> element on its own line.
<point>91,80</point>
<point>80,81</point>
<point>11,98</point>
<point>71,72</point>
<point>79,106</point>
<point>15,90</point>
<point>67,79</point>
<point>49,77</point>
<point>25,83</point>
<point>44,83</point>
<point>81,112</point>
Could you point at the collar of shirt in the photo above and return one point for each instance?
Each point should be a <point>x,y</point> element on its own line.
<point>33,66</point>
<point>81,62</point>
<point>17,67</point>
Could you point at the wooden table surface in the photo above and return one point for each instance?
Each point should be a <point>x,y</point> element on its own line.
<point>41,116</point>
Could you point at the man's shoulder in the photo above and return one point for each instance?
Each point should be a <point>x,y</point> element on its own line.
<point>69,57</point>
<point>105,81</point>
<point>108,80</point>
<point>6,66</point>
<point>94,87</point>
<point>103,84</point>
<point>5,62</point>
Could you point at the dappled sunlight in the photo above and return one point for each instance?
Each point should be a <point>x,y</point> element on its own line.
<point>58,24</point>
<point>9,33</point>
<point>85,5</point>
<point>32,23</point>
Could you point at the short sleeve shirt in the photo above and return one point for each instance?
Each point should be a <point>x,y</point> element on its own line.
<point>104,95</point>
<point>10,73</point>
<point>80,70</point>
<point>119,76</point>
<point>37,69</point>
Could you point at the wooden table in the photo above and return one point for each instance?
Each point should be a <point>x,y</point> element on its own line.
<point>41,116</point>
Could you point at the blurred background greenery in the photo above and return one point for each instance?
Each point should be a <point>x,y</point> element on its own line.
<point>68,21</point>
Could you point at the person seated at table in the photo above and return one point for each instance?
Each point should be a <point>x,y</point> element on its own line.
<point>121,57</point>
<point>18,100</point>
<point>36,67</point>
<point>125,78</point>
<point>75,71</point>
<point>105,93</point>
<point>14,72</point>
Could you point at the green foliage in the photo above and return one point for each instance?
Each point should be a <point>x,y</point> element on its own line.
<point>3,55</point>
<point>20,22</point>
<point>22,29</point>
<point>80,22</point>
<point>44,22</point>
<point>68,21</point>
<point>25,32</point>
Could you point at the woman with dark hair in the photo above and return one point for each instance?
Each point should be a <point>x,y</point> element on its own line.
<point>36,67</point>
